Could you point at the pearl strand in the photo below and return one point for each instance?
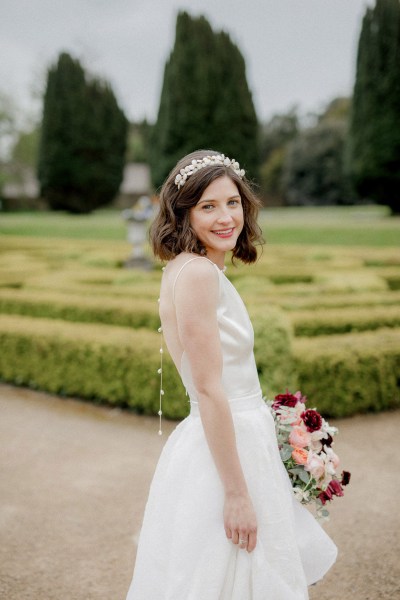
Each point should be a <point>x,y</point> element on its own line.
<point>160,372</point>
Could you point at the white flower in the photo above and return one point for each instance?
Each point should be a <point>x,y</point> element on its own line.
<point>196,165</point>
<point>301,495</point>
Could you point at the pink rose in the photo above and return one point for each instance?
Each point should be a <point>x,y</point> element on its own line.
<point>316,446</point>
<point>300,397</point>
<point>299,438</point>
<point>334,459</point>
<point>300,456</point>
<point>315,465</point>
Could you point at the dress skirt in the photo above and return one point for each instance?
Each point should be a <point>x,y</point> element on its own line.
<point>183,551</point>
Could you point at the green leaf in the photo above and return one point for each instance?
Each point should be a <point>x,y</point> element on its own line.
<point>304,476</point>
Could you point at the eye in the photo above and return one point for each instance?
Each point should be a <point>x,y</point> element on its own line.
<point>207,206</point>
<point>234,201</point>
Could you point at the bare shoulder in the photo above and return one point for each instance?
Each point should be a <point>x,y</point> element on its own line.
<point>193,275</point>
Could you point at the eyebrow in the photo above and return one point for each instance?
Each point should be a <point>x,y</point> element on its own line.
<point>213,200</point>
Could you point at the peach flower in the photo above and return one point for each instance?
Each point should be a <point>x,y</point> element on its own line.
<point>299,438</point>
<point>300,456</point>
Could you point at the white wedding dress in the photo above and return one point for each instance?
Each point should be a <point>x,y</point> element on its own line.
<point>183,551</point>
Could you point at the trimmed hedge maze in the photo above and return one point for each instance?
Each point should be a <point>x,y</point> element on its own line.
<point>326,320</point>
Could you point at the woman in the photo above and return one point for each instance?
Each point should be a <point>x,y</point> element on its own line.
<point>221,522</point>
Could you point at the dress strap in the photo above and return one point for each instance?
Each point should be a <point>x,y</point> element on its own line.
<point>184,265</point>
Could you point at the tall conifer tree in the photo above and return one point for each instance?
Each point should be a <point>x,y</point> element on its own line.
<point>205,100</point>
<point>374,138</point>
<point>83,140</point>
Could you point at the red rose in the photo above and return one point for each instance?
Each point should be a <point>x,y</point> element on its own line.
<point>285,400</point>
<point>312,420</point>
<point>345,478</point>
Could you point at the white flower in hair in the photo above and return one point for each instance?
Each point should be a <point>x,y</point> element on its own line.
<point>207,161</point>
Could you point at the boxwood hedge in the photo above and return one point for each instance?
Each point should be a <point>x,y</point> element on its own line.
<point>351,373</point>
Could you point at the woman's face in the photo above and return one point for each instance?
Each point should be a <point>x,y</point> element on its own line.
<point>217,218</point>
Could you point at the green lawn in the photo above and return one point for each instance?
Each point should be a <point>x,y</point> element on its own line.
<point>341,226</point>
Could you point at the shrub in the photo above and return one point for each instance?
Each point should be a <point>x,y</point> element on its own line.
<point>129,312</point>
<point>352,281</point>
<point>344,320</point>
<point>96,362</point>
<point>295,303</point>
<point>119,365</point>
<point>272,349</point>
<point>348,374</point>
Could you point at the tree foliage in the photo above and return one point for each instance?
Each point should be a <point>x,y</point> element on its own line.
<point>25,149</point>
<point>314,170</point>
<point>374,141</point>
<point>205,100</point>
<point>138,145</point>
<point>275,137</point>
<point>277,132</point>
<point>83,140</point>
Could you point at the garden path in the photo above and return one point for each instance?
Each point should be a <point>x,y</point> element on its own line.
<point>74,479</point>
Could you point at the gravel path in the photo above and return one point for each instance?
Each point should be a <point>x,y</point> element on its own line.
<point>74,480</point>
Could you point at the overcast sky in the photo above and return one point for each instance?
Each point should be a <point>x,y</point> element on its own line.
<point>297,51</point>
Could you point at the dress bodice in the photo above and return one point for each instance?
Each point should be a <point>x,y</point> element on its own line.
<point>239,372</point>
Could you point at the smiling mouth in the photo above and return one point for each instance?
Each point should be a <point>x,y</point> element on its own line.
<point>224,232</point>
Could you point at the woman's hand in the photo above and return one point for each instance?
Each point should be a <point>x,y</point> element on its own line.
<point>240,521</point>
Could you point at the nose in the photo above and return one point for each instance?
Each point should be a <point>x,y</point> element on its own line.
<point>224,216</point>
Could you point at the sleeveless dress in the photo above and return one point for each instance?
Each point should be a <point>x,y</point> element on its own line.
<point>183,552</point>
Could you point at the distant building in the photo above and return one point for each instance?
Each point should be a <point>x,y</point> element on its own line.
<point>22,190</point>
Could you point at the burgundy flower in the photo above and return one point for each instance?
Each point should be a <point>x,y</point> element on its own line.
<point>312,419</point>
<point>285,400</point>
<point>345,478</point>
<point>327,441</point>
<point>325,496</point>
<point>335,487</point>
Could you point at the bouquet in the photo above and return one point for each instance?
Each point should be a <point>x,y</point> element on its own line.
<point>305,443</point>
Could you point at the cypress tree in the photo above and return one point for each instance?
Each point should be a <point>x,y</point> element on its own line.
<point>205,100</point>
<point>373,155</point>
<point>83,140</point>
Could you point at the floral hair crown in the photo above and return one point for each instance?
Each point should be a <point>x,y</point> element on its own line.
<point>207,161</point>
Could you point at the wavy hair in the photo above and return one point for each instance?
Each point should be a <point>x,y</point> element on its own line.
<point>171,233</point>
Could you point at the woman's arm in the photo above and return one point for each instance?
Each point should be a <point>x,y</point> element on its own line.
<point>196,299</point>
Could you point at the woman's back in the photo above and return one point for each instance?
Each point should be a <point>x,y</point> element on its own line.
<point>239,372</point>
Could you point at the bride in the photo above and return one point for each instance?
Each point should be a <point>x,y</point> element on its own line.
<point>221,522</point>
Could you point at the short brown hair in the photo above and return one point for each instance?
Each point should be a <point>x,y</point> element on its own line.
<point>171,233</point>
